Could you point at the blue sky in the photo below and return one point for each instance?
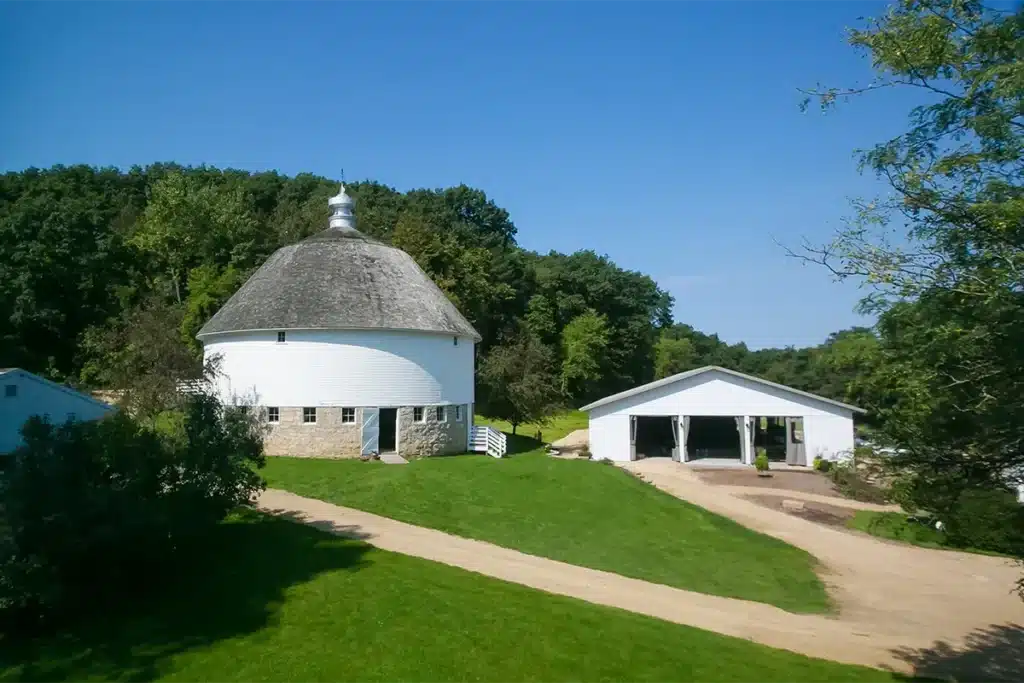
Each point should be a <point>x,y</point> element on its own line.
<point>665,135</point>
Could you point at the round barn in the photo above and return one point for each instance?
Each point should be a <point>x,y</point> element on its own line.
<point>348,347</point>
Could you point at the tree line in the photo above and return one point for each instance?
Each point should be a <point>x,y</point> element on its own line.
<point>109,274</point>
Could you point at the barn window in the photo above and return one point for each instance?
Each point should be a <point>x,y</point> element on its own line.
<point>417,415</point>
<point>348,415</point>
<point>72,417</point>
<point>281,336</point>
<point>273,414</point>
<point>308,415</point>
<point>10,390</point>
<point>458,413</point>
<point>440,414</point>
<point>455,341</point>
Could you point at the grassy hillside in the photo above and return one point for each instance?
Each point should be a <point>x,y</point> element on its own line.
<point>265,599</point>
<point>580,512</point>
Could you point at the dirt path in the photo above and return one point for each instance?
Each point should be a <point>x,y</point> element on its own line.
<point>916,594</point>
<point>909,609</point>
<point>812,635</point>
<point>802,495</point>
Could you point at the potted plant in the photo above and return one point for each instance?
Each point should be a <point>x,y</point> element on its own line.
<point>761,463</point>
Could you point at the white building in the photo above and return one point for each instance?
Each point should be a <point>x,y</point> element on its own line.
<point>25,395</point>
<point>714,414</point>
<point>348,347</point>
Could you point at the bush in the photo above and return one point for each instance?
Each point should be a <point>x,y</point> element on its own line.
<point>850,483</point>
<point>761,461</point>
<point>822,465</point>
<point>986,519</point>
<point>95,509</point>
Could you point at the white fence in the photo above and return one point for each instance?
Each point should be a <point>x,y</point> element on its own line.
<point>487,440</point>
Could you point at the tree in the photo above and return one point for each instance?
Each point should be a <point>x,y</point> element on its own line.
<point>65,264</point>
<point>520,381</point>
<point>143,355</point>
<point>584,353</point>
<point>187,223</point>
<point>945,254</point>
<point>672,356</point>
<point>97,509</point>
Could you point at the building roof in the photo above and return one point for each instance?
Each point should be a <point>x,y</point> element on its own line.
<point>339,279</point>
<point>712,368</point>
<point>53,385</point>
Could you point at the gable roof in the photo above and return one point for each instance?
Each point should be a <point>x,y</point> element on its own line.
<point>4,372</point>
<point>339,279</point>
<point>643,388</point>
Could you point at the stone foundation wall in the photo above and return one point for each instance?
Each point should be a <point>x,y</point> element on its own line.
<point>328,437</point>
<point>430,437</point>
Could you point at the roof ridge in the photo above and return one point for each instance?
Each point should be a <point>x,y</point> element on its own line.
<point>665,381</point>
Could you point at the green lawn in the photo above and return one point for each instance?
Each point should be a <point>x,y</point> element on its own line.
<point>265,599</point>
<point>525,437</point>
<point>896,526</point>
<point>581,512</point>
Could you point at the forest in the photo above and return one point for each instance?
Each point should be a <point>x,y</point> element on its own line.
<point>109,274</point>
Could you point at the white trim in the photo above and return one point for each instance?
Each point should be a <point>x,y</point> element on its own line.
<point>712,368</point>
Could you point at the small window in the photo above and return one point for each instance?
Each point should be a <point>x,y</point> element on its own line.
<point>440,414</point>
<point>72,417</point>
<point>417,415</point>
<point>281,336</point>
<point>10,390</point>
<point>273,414</point>
<point>458,413</point>
<point>308,415</point>
<point>455,341</point>
<point>348,415</point>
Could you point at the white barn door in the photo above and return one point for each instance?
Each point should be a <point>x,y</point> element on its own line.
<point>371,431</point>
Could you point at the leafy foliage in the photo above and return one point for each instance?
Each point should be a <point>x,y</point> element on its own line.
<point>944,252</point>
<point>989,519</point>
<point>520,381</point>
<point>853,484</point>
<point>584,353</point>
<point>91,507</point>
<point>96,255</point>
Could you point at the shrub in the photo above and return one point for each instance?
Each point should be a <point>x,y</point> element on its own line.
<point>986,519</point>
<point>761,461</point>
<point>822,465</point>
<point>850,483</point>
<point>94,509</point>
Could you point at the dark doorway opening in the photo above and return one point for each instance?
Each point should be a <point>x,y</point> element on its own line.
<point>387,437</point>
<point>713,437</point>
<point>770,434</point>
<point>655,436</point>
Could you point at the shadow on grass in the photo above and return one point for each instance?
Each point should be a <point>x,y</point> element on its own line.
<point>520,443</point>
<point>229,584</point>
<point>995,653</point>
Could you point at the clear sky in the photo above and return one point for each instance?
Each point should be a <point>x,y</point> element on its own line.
<point>665,135</point>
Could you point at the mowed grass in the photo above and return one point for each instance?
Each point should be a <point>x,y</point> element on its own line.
<point>525,437</point>
<point>581,512</point>
<point>897,526</point>
<point>265,599</point>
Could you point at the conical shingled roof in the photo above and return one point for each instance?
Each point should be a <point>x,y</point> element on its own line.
<point>339,279</point>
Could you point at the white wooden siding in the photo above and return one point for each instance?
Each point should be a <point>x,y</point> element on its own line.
<point>828,429</point>
<point>36,396</point>
<point>344,368</point>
